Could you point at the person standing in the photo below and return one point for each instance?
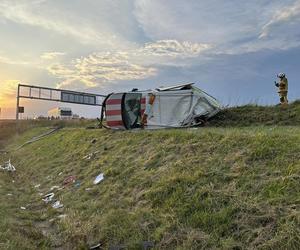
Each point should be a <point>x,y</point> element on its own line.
<point>282,86</point>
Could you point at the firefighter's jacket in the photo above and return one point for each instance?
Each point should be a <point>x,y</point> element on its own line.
<point>283,85</point>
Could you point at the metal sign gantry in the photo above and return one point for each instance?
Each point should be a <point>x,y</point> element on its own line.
<point>56,95</point>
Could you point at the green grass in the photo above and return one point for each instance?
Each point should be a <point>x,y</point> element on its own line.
<point>254,115</point>
<point>206,188</point>
<point>10,128</point>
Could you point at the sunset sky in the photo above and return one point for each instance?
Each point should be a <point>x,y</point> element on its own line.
<point>231,49</point>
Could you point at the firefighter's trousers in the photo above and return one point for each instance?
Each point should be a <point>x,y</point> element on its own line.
<point>283,97</point>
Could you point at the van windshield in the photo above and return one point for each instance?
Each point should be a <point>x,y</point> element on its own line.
<point>132,110</point>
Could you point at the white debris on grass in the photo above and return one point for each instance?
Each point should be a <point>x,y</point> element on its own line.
<point>62,216</point>
<point>99,178</point>
<point>57,205</point>
<point>37,186</point>
<point>90,156</point>
<point>23,208</point>
<point>48,197</point>
<point>55,187</point>
<point>8,166</point>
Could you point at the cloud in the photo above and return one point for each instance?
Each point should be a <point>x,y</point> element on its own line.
<point>43,14</point>
<point>99,68</point>
<point>8,92</point>
<point>283,16</point>
<point>102,68</point>
<point>173,48</point>
<point>51,55</point>
<point>233,27</point>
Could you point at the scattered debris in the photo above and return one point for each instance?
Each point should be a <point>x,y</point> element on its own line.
<point>90,156</point>
<point>37,186</point>
<point>8,167</point>
<point>88,189</point>
<point>57,205</point>
<point>99,178</point>
<point>9,194</point>
<point>77,184</point>
<point>60,173</point>
<point>23,208</point>
<point>55,187</point>
<point>96,247</point>
<point>48,197</point>
<point>69,179</point>
<point>62,216</point>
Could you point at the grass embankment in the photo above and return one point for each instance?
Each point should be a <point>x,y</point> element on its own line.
<point>9,128</point>
<point>253,115</point>
<point>206,188</point>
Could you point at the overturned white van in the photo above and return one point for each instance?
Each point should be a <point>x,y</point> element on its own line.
<point>176,106</point>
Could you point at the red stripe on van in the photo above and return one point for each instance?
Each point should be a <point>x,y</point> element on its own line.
<point>143,100</point>
<point>115,123</point>
<point>113,112</point>
<point>113,101</point>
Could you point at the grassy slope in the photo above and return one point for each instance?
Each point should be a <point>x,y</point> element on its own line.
<point>9,128</point>
<point>253,115</point>
<point>185,189</point>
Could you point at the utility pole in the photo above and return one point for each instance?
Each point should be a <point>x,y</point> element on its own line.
<point>18,102</point>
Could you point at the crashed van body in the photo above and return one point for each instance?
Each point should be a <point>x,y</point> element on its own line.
<point>170,107</point>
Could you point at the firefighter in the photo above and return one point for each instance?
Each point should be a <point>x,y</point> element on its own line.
<point>282,88</point>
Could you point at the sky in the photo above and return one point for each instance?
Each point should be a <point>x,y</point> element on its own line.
<point>231,49</point>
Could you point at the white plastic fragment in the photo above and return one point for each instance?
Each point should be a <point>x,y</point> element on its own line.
<point>23,208</point>
<point>99,178</point>
<point>8,166</point>
<point>62,216</point>
<point>48,197</point>
<point>57,205</point>
<point>88,157</point>
<point>95,246</point>
<point>91,155</point>
<point>54,187</point>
